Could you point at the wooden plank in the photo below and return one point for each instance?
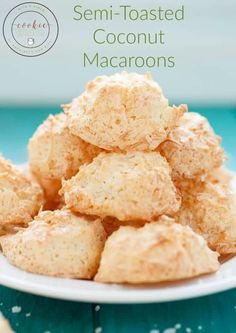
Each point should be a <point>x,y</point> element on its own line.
<point>211,314</point>
<point>41,314</point>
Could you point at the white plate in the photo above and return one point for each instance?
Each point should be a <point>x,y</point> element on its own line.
<point>78,290</point>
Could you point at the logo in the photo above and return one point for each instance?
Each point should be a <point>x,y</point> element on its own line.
<point>30,29</point>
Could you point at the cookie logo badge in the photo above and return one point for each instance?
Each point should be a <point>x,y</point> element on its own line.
<point>30,29</point>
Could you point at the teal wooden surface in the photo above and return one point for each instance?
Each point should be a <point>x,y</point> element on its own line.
<point>211,314</point>
<point>41,314</point>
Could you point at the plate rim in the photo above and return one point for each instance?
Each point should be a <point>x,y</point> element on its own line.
<point>119,295</point>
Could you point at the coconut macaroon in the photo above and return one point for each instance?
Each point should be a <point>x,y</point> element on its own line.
<point>154,253</point>
<point>20,198</point>
<point>192,148</point>
<point>221,176</point>
<point>129,186</point>
<point>125,111</point>
<point>209,207</point>
<point>55,153</point>
<point>57,243</point>
<point>4,325</point>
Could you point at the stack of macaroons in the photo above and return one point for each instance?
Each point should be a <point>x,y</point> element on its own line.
<point>135,190</point>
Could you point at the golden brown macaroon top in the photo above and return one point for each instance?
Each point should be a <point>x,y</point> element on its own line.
<point>124,111</point>
<point>128,186</point>
<point>192,148</point>
<point>20,198</point>
<point>57,243</point>
<point>56,154</point>
<point>154,253</point>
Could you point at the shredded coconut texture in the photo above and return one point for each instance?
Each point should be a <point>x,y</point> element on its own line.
<point>159,251</point>
<point>129,186</point>
<point>57,243</point>
<point>192,148</point>
<point>20,198</point>
<point>125,111</point>
<point>56,154</point>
